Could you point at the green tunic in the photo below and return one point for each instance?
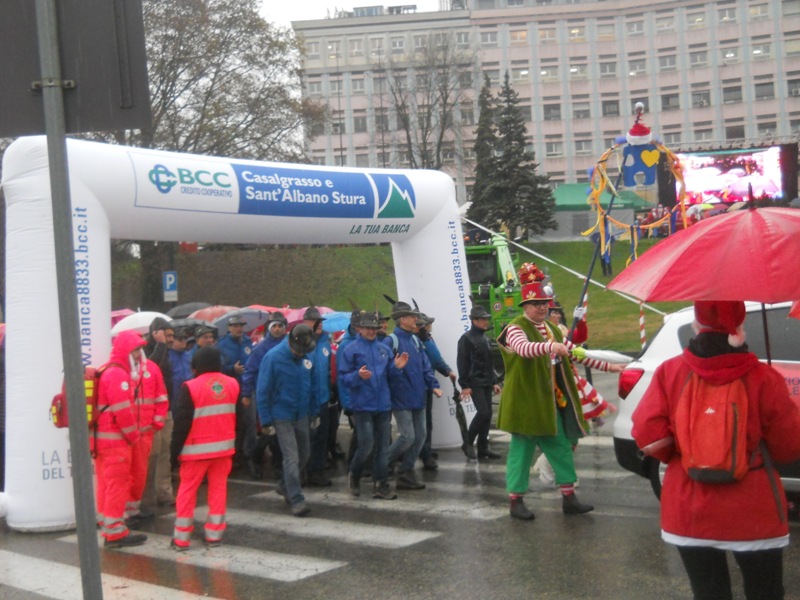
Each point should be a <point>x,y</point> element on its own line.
<point>528,405</point>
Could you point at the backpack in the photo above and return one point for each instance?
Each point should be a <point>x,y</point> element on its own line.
<point>711,430</point>
<point>91,383</point>
<point>396,343</point>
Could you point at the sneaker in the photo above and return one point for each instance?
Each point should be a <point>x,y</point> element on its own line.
<point>177,547</point>
<point>518,510</point>
<point>408,481</point>
<point>383,491</point>
<point>318,479</point>
<point>355,485</point>
<point>300,509</point>
<point>132,539</point>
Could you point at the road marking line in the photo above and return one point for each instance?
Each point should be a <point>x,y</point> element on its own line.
<point>233,559</point>
<point>63,582</point>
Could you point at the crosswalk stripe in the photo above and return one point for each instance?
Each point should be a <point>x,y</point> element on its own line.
<point>242,561</point>
<point>63,582</point>
<point>378,536</point>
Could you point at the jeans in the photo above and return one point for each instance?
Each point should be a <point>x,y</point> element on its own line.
<point>411,430</point>
<point>762,573</point>
<point>373,430</point>
<point>293,438</point>
<point>319,441</point>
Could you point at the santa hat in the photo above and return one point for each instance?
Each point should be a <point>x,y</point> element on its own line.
<point>640,133</point>
<point>721,316</point>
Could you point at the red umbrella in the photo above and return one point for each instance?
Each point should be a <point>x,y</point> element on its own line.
<point>211,313</point>
<point>750,254</point>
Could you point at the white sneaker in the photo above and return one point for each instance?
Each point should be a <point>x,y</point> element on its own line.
<point>546,474</point>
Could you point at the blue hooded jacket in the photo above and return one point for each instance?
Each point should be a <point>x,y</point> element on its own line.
<point>254,364</point>
<point>409,384</point>
<point>370,395</point>
<point>321,357</point>
<point>233,352</point>
<point>284,391</point>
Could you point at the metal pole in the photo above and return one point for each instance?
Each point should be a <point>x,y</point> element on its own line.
<point>55,128</point>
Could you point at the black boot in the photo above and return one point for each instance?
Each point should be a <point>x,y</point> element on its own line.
<point>518,510</point>
<point>571,506</point>
<point>486,453</point>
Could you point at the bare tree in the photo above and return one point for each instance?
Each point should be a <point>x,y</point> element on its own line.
<point>425,90</point>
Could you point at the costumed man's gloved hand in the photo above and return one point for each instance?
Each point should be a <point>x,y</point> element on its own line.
<point>579,312</point>
<point>579,353</point>
<point>268,430</point>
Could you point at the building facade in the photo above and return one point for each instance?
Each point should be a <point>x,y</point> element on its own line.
<point>710,75</point>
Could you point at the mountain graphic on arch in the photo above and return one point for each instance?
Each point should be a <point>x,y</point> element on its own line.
<point>397,205</point>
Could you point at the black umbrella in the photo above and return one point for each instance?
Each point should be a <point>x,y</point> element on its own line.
<point>184,310</point>
<point>460,416</point>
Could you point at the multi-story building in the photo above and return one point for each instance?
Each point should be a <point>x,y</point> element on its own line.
<point>710,74</point>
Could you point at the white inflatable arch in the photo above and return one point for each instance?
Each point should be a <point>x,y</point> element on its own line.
<point>130,193</point>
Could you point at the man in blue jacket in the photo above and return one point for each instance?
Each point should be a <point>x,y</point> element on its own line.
<point>362,369</point>
<point>408,388</point>
<point>288,408</point>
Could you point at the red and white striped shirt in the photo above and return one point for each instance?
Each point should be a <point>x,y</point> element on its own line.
<point>518,341</point>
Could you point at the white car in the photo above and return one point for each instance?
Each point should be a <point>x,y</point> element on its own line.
<point>671,339</point>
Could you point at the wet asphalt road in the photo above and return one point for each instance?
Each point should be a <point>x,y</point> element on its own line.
<point>452,540</point>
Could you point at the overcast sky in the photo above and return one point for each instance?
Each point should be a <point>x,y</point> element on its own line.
<point>284,12</point>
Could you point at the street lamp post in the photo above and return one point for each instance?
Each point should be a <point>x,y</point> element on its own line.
<point>334,51</point>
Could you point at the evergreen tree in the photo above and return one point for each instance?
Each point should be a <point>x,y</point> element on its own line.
<point>514,195</point>
<point>485,142</point>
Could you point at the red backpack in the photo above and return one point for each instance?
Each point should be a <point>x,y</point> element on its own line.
<point>91,383</point>
<point>711,430</point>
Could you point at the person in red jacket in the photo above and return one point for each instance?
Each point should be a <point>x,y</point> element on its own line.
<point>150,411</point>
<point>749,516</point>
<point>116,434</point>
<point>203,442</point>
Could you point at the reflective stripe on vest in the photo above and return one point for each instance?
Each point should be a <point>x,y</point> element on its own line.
<point>196,449</point>
<point>214,409</point>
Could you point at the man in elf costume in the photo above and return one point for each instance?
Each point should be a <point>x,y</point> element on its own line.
<point>540,405</point>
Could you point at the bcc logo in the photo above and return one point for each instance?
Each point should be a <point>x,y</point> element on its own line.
<point>164,179</point>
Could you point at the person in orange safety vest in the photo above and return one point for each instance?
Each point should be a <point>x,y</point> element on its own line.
<point>203,442</point>
<point>117,433</point>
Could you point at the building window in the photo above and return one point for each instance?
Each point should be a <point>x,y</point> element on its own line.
<point>670,102</point>
<point>465,80</point>
<point>703,135</point>
<point>792,47</point>
<point>790,7</point>
<point>577,71</point>
<point>758,11</point>
<point>550,73</point>
<point>334,50</point>
<point>794,125</point>
<point>765,91</point>
<point>462,38</point>
<point>761,51</point>
<point>467,115</point>
<point>734,132</point>
<point>793,86</point>
<point>696,20</point>
<point>519,36</point>
<point>608,69</point>
<point>420,43</point>
<point>516,2</point>
<point>552,112</point>
<point>767,128</point>
<point>606,31</point>
<point>362,160</point>
<point>701,99</point>
<point>727,15</point>
<point>732,95</point>
<point>577,33</point>
<point>665,23</point>
<point>581,110</point>
<point>635,28</point>
<point>336,87</point>
<point>610,108</point>
<point>338,127</point>
<point>547,34</point>
<point>493,75</point>
<point>357,86</point>
<point>314,88</point>
<point>356,47</point>
<point>553,149</point>
<point>645,103</point>
<point>520,74</point>
<point>381,122</point>
<point>485,4</point>
<point>730,55</point>
<point>359,124</point>
<point>583,147</point>
<point>312,49</point>
<point>398,45</point>
<point>488,38</point>
<point>667,63</point>
<point>698,59</point>
<point>637,66</point>
<point>672,138</point>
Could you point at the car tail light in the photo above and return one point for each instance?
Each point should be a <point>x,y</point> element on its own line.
<point>627,380</point>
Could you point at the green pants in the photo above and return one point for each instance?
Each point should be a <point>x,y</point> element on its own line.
<point>557,449</point>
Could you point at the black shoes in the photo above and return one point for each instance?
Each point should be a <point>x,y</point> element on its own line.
<point>355,485</point>
<point>571,506</point>
<point>132,539</point>
<point>408,481</point>
<point>430,464</point>
<point>318,479</point>
<point>469,451</point>
<point>383,491</point>
<point>486,453</point>
<point>518,510</point>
